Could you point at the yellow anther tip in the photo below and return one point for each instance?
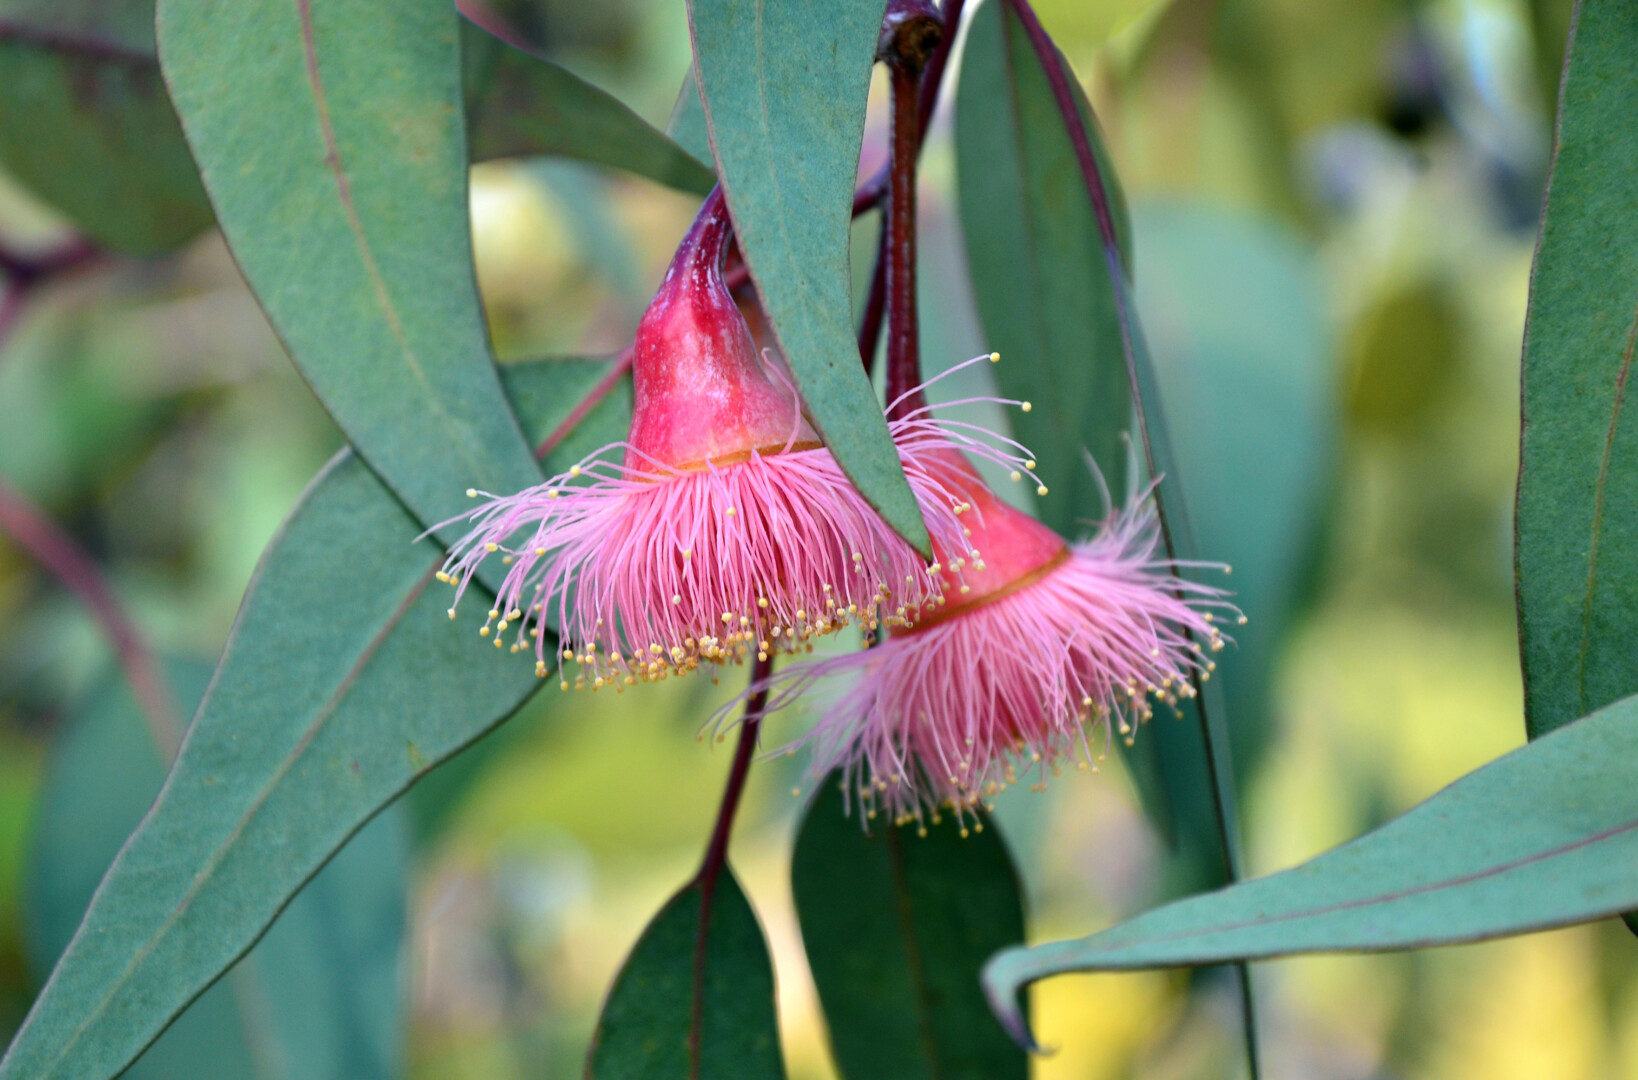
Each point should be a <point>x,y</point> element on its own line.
<point>995,358</point>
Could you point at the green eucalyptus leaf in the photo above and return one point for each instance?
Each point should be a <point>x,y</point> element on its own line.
<point>1545,836</point>
<point>331,140</point>
<point>319,999</point>
<point>343,681</point>
<point>1038,270</point>
<point>86,124</point>
<point>523,105</point>
<point>1577,520</point>
<point>896,927</point>
<point>695,999</point>
<point>784,84</point>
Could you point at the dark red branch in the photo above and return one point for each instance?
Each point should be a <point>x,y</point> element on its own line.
<point>716,852</point>
<point>61,557</point>
<point>903,325</point>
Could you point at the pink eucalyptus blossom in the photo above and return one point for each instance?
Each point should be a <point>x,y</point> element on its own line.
<point>1035,643</point>
<point>722,526</point>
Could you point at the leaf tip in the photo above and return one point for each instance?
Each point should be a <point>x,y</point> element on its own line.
<point>1002,987</point>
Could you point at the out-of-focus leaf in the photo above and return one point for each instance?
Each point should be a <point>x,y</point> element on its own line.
<point>784,84</point>
<point>520,105</point>
<point>694,999</point>
<point>896,928</point>
<point>687,124</point>
<point>331,140</point>
<point>1236,323</point>
<point>342,683</point>
<point>543,392</point>
<point>319,999</point>
<point>85,122</point>
<point>1038,269</point>
<point>1545,836</point>
<point>1577,520</point>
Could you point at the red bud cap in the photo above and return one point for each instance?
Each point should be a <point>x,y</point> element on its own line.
<point>703,394</point>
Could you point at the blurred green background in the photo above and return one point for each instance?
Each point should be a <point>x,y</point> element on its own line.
<point>1335,206</point>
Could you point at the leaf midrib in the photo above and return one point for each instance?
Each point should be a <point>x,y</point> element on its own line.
<point>332,161</point>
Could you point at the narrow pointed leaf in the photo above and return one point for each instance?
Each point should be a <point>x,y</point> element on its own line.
<point>1545,836</point>
<point>784,84</point>
<point>522,105</point>
<point>694,1000</point>
<point>86,124</point>
<point>897,927</point>
<point>319,999</point>
<point>331,140</point>
<point>1038,269</point>
<point>1577,520</point>
<point>342,683</point>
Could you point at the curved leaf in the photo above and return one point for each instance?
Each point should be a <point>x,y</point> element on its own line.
<point>695,998</point>
<point>86,124</point>
<point>1543,837</point>
<point>319,999</point>
<point>330,138</point>
<point>342,683</point>
<point>518,104</point>
<point>1038,270</point>
<point>1576,540</point>
<point>784,84</point>
<point>896,928</point>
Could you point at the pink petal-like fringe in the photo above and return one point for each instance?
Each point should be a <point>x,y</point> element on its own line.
<point>651,571</point>
<point>954,712</point>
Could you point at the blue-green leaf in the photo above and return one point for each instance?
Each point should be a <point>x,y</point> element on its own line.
<point>331,140</point>
<point>896,927</point>
<point>1577,522</point>
<point>342,683</point>
<point>321,998</point>
<point>85,122</point>
<point>1545,836</point>
<point>522,105</point>
<point>695,998</point>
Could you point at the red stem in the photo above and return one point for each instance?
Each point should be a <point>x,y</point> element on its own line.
<point>903,327</point>
<point>57,553</point>
<point>716,852</point>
